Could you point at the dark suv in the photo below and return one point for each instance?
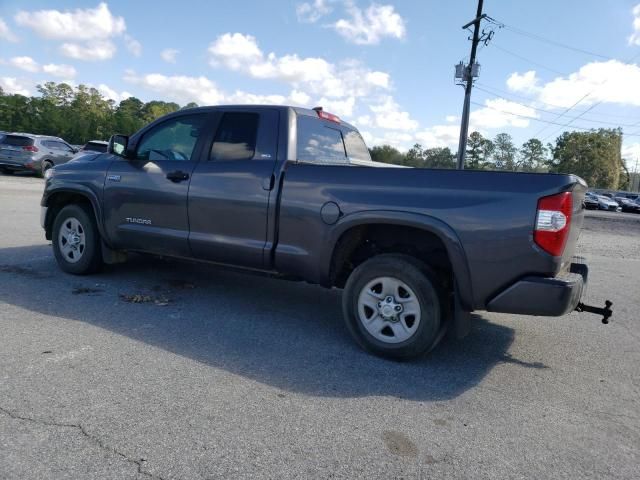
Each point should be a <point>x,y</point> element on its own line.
<point>25,152</point>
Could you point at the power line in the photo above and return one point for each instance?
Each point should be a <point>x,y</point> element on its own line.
<point>517,55</point>
<point>555,113</point>
<point>491,89</point>
<point>535,119</point>
<point>549,41</point>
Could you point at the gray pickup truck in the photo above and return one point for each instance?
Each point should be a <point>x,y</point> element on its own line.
<point>293,192</point>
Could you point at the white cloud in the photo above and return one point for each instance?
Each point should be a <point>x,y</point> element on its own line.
<point>111,94</point>
<point>79,24</point>
<point>13,86</point>
<point>439,136</point>
<point>368,27</point>
<point>363,121</point>
<point>634,38</point>
<point>30,65</point>
<point>607,82</point>
<point>204,91</point>
<point>341,107</point>
<point>59,70</point>
<point>6,33</point>
<point>169,55</point>
<point>315,75</point>
<point>501,113</point>
<point>631,152</point>
<point>133,45</point>
<point>389,116</point>
<point>526,82</point>
<point>300,98</point>
<point>379,79</point>
<point>25,63</point>
<point>452,118</point>
<point>91,51</point>
<point>179,88</point>
<point>311,12</point>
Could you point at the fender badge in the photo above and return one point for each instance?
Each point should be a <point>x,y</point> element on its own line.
<point>113,178</point>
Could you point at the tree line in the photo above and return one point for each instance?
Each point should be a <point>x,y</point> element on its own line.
<point>82,113</point>
<point>594,155</point>
<point>77,114</point>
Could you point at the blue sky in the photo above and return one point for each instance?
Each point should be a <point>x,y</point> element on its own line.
<point>386,66</point>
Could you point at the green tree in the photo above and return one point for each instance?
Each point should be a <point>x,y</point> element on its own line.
<point>156,109</point>
<point>128,116</point>
<point>439,158</point>
<point>594,155</point>
<point>533,156</point>
<point>479,152</point>
<point>505,152</point>
<point>386,154</point>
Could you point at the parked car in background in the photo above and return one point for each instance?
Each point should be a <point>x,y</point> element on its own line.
<point>627,204</point>
<point>591,201</point>
<point>95,146</point>
<point>606,203</point>
<point>26,152</point>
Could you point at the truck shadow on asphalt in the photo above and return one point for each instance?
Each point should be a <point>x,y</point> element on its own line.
<point>284,334</point>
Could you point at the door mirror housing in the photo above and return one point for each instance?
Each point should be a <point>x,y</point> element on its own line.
<point>119,145</point>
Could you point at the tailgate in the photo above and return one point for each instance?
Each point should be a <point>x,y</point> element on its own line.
<point>579,189</point>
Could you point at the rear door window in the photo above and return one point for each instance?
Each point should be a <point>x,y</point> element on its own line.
<point>319,142</point>
<point>236,137</point>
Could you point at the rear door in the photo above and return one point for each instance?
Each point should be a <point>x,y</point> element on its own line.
<point>231,186</point>
<point>61,151</point>
<point>145,198</point>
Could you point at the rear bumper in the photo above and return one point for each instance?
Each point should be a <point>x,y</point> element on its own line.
<point>16,167</point>
<point>549,297</point>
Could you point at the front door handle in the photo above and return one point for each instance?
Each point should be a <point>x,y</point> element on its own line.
<point>178,176</point>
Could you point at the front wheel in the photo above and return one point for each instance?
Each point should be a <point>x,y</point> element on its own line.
<point>392,306</point>
<point>76,241</point>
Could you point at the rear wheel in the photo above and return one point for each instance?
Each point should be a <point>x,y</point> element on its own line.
<point>392,306</point>
<point>46,165</point>
<point>76,241</point>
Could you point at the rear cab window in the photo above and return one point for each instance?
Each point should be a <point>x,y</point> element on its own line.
<point>18,141</point>
<point>328,143</point>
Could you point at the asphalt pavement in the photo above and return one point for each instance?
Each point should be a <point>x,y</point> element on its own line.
<point>164,369</point>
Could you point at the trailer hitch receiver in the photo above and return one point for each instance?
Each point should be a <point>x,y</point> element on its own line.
<point>605,311</point>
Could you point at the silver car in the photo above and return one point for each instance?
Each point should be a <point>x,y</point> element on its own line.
<point>25,152</point>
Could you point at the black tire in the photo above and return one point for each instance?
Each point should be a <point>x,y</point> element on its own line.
<point>46,165</point>
<point>90,259</point>
<point>6,171</point>
<point>421,280</point>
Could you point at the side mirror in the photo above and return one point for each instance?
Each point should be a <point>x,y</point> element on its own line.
<point>119,145</point>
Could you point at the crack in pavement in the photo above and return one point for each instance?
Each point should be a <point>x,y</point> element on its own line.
<point>95,440</point>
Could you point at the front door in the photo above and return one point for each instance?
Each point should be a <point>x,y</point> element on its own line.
<point>145,197</point>
<point>231,186</point>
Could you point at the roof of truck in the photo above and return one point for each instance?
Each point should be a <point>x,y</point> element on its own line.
<point>298,110</point>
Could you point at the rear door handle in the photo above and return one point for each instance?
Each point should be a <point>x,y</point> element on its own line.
<point>178,176</point>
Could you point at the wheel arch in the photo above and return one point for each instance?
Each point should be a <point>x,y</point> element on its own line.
<point>351,233</point>
<point>58,198</point>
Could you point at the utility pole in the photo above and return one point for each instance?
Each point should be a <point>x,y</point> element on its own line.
<point>467,74</point>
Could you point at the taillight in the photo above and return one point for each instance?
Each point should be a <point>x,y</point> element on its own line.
<point>552,223</point>
<point>30,148</point>
<point>328,116</point>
